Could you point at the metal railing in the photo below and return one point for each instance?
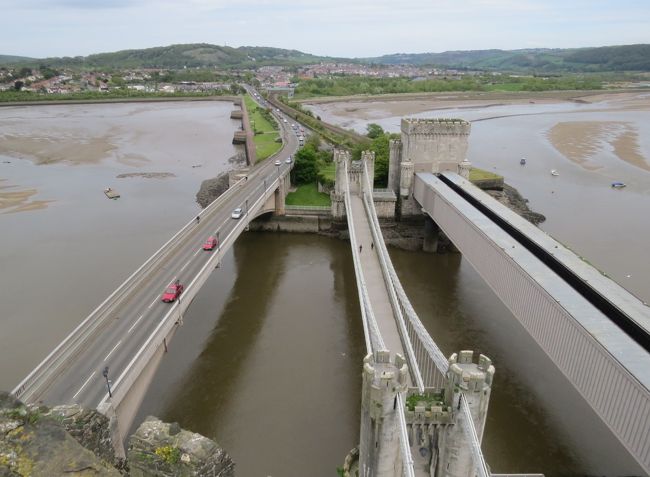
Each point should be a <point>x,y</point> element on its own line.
<point>374,341</point>
<point>41,377</point>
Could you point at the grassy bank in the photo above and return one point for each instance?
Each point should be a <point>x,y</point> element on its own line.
<point>265,130</point>
<point>307,194</point>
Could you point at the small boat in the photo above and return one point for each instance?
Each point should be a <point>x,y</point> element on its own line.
<point>554,172</point>
<point>111,194</point>
<point>618,185</point>
<point>522,161</point>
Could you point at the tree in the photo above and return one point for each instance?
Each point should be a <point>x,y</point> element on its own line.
<point>374,130</point>
<point>305,169</point>
<point>18,85</point>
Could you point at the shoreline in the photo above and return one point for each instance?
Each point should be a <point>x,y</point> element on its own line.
<point>59,102</point>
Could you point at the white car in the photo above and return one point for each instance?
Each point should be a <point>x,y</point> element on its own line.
<point>237,213</point>
<point>277,163</point>
<point>288,160</point>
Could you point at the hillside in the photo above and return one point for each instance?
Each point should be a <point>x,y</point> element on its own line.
<point>190,56</point>
<point>9,59</point>
<point>607,58</point>
<point>601,59</point>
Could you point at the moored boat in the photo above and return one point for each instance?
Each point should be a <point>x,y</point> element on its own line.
<point>554,172</point>
<point>618,185</point>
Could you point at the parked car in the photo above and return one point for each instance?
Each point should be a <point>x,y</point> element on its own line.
<point>210,243</point>
<point>172,292</point>
<point>237,213</point>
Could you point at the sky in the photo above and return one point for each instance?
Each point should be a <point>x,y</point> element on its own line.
<point>342,28</point>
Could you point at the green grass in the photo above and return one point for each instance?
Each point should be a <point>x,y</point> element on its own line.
<point>307,194</point>
<point>476,174</point>
<point>505,87</point>
<point>327,169</point>
<point>266,133</point>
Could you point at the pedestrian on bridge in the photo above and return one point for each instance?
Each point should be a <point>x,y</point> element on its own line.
<point>360,248</point>
<point>198,219</point>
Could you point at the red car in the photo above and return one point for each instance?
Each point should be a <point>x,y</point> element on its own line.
<point>210,244</point>
<point>173,292</point>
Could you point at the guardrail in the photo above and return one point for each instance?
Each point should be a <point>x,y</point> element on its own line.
<point>408,469</point>
<point>36,382</point>
<point>373,338</point>
<point>133,370</point>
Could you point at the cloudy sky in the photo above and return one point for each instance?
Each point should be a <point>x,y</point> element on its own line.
<point>348,28</point>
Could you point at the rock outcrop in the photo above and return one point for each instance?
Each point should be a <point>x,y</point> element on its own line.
<point>34,443</point>
<point>75,442</point>
<point>165,450</point>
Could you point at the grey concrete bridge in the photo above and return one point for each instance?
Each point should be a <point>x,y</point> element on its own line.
<point>128,333</point>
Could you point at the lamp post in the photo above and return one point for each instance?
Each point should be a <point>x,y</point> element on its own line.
<point>108,383</point>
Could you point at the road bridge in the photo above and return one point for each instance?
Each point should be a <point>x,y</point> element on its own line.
<point>109,360</point>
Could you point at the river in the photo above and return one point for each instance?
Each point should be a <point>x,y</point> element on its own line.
<point>269,359</point>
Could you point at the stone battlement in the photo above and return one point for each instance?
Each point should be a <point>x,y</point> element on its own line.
<point>435,127</point>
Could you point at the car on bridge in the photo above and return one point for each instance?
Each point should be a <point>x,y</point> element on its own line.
<point>277,163</point>
<point>173,292</point>
<point>237,213</point>
<point>210,243</point>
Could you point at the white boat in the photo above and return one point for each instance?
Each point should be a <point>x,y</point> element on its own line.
<point>618,185</point>
<point>554,172</point>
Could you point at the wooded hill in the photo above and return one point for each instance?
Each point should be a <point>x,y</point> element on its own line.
<point>606,58</point>
<point>601,59</point>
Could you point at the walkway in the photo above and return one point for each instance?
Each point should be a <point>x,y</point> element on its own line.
<point>375,284</point>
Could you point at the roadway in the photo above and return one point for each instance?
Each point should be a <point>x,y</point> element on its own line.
<point>133,319</point>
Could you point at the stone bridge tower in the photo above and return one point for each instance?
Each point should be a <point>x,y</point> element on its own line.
<point>427,145</point>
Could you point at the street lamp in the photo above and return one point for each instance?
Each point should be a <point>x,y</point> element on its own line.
<point>108,383</point>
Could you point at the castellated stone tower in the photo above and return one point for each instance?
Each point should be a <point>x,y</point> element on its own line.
<point>475,381</point>
<point>368,157</point>
<point>379,449</point>
<point>341,158</point>
<point>427,145</point>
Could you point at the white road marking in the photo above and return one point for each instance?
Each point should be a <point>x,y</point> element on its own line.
<point>136,322</point>
<point>197,252</point>
<point>185,266</point>
<point>83,385</point>
<point>152,303</point>
<point>114,348</point>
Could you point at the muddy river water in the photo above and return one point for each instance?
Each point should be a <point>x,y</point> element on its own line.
<point>268,361</point>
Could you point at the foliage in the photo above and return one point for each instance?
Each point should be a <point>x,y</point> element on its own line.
<point>476,174</point>
<point>362,85</point>
<point>427,400</point>
<point>117,94</point>
<point>374,130</point>
<point>170,454</point>
<point>380,145</point>
<point>307,194</point>
<point>305,168</point>
<point>265,128</point>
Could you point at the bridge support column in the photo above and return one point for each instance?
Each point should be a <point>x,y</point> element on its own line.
<point>117,439</point>
<point>341,157</point>
<point>379,448</point>
<point>431,231</point>
<point>280,195</point>
<point>474,380</point>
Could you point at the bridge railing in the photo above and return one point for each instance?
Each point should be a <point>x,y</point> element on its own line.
<point>30,388</point>
<point>146,352</point>
<point>428,357</point>
<point>415,337</point>
<point>374,341</point>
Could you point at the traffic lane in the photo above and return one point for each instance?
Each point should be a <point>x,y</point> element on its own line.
<point>129,347</point>
<point>115,341</point>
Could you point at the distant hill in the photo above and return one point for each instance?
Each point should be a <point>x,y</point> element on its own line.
<point>9,59</point>
<point>601,59</point>
<point>190,56</point>
<point>606,58</point>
